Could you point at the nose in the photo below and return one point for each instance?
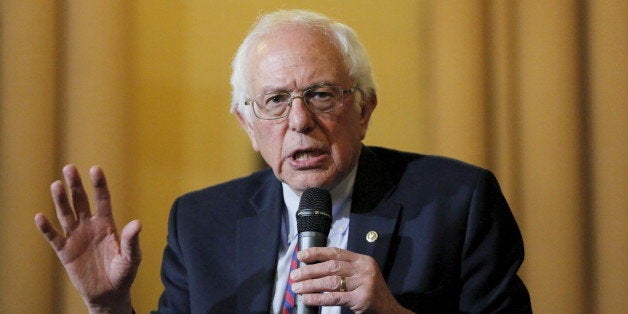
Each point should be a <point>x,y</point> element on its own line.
<point>300,118</point>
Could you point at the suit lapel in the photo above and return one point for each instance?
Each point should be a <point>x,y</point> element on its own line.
<point>258,230</point>
<point>373,217</point>
<point>257,245</point>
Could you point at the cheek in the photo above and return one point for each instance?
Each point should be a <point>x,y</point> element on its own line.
<point>269,145</point>
<point>350,129</point>
<point>346,139</point>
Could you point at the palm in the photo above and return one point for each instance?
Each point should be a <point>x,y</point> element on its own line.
<point>100,266</point>
<point>91,254</point>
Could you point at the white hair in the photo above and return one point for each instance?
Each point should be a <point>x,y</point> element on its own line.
<point>340,35</point>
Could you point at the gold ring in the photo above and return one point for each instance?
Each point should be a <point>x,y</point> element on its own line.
<point>343,284</point>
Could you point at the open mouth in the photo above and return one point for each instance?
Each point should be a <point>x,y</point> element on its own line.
<point>306,154</point>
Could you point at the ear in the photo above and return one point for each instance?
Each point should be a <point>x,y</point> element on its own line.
<point>365,116</point>
<point>248,127</point>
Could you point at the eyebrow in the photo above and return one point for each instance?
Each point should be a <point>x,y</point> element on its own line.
<point>271,90</point>
<point>319,84</point>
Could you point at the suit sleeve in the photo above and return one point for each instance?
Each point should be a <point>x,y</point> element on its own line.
<point>492,253</point>
<point>175,298</point>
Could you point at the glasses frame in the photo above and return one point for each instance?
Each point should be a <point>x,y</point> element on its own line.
<point>251,101</point>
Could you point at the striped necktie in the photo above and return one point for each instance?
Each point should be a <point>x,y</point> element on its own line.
<point>290,298</point>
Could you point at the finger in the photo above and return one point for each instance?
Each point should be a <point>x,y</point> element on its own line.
<point>321,254</point>
<point>101,192</point>
<point>64,212</point>
<point>327,299</point>
<point>324,284</point>
<point>324,269</point>
<point>130,242</point>
<point>79,197</point>
<point>52,235</point>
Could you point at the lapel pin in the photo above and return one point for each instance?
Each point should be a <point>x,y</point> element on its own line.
<point>371,236</point>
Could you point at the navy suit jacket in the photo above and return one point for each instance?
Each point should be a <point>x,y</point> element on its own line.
<point>447,239</point>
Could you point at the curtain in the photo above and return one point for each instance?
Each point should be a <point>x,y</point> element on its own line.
<point>532,90</point>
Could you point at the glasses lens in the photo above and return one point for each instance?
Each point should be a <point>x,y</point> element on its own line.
<point>319,99</point>
<point>324,98</point>
<point>271,106</point>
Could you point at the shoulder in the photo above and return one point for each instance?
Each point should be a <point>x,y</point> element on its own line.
<point>427,179</point>
<point>231,194</point>
<point>238,185</point>
<point>407,165</point>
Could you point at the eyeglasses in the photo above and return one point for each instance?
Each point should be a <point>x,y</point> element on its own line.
<point>319,99</point>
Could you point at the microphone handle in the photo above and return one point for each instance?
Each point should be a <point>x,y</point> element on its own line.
<point>308,239</point>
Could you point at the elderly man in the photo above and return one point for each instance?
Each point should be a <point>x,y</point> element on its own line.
<point>409,233</point>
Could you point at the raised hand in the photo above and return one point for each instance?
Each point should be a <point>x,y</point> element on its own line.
<point>100,265</point>
<point>351,280</point>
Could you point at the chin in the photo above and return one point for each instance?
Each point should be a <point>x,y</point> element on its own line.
<point>304,184</point>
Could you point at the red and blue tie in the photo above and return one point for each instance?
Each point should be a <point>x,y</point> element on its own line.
<point>290,298</point>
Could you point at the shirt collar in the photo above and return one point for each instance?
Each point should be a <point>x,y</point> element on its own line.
<point>340,198</point>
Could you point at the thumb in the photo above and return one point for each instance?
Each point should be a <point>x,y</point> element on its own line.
<point>130,242</point>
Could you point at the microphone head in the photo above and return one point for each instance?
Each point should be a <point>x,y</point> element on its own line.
<point>314,213</point>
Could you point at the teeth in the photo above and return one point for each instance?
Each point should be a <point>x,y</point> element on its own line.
<point>304,155</point>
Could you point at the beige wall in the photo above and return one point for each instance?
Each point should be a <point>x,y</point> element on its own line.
<point>533,90</point>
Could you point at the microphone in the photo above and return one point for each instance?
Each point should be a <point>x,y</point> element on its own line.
<point>313,224</point>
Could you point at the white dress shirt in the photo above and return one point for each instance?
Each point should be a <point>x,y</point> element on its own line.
<point>338,235</point>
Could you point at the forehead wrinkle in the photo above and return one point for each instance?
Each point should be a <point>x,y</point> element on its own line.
<point>274,89</point>
<point>282,64</point>
<point>278,68</point>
